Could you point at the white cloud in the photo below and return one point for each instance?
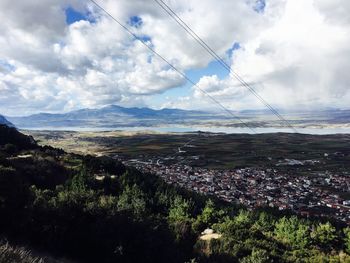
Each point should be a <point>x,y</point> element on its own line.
<point>59,67</point>
<point>297,48</point>
<point>220,25</point>
<point>301,60</point>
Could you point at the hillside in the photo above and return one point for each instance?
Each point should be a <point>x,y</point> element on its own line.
<point>10,136</point>
<point>4,121</point>
<point>94,209</point>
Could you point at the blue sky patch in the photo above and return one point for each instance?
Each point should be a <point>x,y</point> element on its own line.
<point>7,66</point>
<point>260,6</point>
<point>232,49</point>
<point>144,38</point>
<point>73,16</point>
<point>214,68</point>
<point>135,21</point>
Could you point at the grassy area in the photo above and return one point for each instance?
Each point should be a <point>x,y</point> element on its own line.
<point>18,254</point>
<point>217,151</point>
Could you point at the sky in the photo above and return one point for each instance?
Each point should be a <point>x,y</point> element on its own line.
<point>64,55</point>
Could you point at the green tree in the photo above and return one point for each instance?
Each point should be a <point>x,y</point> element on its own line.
<point>347,239</point>
<point>180,222</point>
<point>257,256</point>
<point>209,212</point>
<point>179,210</point>
<point>265,222</point>
<point>324,234</point>
<point>244,218</point>
<point>210,215</point>
<point>133,199</point>
<point>79,180</point>
<point>292,231</point>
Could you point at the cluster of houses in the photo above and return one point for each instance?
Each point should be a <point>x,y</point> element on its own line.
<point>321,194</point>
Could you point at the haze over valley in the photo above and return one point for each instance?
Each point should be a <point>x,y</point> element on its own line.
<point>116,117</point>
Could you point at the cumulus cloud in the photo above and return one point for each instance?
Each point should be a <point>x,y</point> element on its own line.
<point>220,25</point>
<point>301,60</point>
<point>48,65</point>
<point>227,92</point>
<point>296,51</point>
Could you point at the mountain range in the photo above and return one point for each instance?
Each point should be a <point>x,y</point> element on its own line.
<point>110,117</point>
<point>114,116</point>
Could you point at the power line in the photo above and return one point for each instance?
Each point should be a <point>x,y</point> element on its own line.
<point>172,66</point>
<point>200,41</point>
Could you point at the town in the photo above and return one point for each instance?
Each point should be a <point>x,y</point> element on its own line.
<point>319,195</point>
<point>308,175</point>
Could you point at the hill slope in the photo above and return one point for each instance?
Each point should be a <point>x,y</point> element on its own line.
<point>4,121</point>
<point>94,209</point>
<point>9,135</point>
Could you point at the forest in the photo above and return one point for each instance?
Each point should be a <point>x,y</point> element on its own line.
<point>95,209</point>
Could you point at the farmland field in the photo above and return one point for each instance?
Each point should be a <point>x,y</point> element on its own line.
<point>319,153</point>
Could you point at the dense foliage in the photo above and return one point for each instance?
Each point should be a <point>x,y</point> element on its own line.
<point>94,209</point>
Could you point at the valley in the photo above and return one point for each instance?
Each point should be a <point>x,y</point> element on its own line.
<point>307,174</point>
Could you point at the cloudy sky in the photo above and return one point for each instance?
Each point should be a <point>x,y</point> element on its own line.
<point>62,55</point>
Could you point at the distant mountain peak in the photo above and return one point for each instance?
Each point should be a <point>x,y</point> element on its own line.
<point>109,116</point>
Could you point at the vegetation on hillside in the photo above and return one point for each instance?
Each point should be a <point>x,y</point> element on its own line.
<point>94,209</point>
